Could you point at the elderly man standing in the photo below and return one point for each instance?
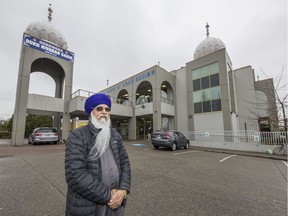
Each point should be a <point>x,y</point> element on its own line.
<point>97,166</point>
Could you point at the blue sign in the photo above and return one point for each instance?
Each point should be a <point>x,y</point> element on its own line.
<point>48,48</point>
<point>130,81</point>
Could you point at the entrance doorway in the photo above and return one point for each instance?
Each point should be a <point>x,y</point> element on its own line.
<point>144,126</point>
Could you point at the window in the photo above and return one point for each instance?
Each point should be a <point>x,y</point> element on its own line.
<point>205,71</point>
<point>197,96</point>
<point>206,95</point>
<point>196,74</point>
<point>207,106</point>
<point>214,68</point>
<point>214,80</point>
<point>206,89</point>
<point>205,82</point>
<point>196,85</point>
<point>198,107</point>
<point>215,93</point>
<point>216,105</point>
<point>180,135</point>
<point>47,130</point>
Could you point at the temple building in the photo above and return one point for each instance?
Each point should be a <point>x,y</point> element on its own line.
<point>208,94</point>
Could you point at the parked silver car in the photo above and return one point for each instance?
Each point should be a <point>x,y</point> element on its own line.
<point>170,139</point>
<point>43,135</point>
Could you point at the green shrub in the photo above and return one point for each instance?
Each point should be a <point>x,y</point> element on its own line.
<point>5,135</point>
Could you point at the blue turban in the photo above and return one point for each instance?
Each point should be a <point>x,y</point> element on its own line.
<point>96,99</point>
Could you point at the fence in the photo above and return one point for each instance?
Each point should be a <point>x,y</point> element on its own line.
<point>267,138</point>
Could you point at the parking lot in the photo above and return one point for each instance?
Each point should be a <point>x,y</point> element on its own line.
<point>164,182</point>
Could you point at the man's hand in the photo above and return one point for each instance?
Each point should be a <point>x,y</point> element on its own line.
<point>117,197</point>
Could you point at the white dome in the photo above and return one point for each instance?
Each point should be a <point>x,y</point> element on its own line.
<point>45,30</point>
<point>207,46</point>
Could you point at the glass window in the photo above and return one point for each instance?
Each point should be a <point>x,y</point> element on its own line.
<point>216,105</point>
<point>215,93</point>
<point>196,85</point>
<point>47,130</point>
<point>197,96</point>
<point>197,107</point>
<point>180,135</point>
<point>165,122</point>
<point>214,80</point>
<point>206,88</point>
<point>207,106</point>
<point>196,74</point>
<point>206,95</point>
<point>205,71</point>
<point>205,82</point>
<point>214,68</point>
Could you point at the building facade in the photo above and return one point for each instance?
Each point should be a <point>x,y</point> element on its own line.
<point>205,95</point>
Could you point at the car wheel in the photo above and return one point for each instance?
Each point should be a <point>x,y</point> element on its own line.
<point>174,147</point>
<point>187,145</point>
<point>32,142</point>
<point>156,147</point>
<point>55,142</point>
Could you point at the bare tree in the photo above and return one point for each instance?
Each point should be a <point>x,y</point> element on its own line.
<point>278,93</point>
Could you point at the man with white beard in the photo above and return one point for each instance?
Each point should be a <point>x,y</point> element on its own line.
<point>97,166</point>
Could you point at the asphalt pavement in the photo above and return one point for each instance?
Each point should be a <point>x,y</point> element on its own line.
<point>32,178</point>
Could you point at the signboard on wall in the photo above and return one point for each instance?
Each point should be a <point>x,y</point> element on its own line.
<point>47,47</point>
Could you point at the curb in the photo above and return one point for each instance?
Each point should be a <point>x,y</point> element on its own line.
<point>251,154</point>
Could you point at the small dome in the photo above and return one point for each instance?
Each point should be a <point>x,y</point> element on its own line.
<point>45,30</point>
<point>207,46</point>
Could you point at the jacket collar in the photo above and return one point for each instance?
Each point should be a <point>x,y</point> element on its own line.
<point>92,128</point>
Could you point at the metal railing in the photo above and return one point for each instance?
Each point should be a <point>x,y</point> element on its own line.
<point>267,138</point>
<point>83,93</point>
<point>166,100</point>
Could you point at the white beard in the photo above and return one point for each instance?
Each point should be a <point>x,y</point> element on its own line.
<point>103,137</point>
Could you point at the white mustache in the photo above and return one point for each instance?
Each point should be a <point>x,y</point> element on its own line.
<point>102,116</point>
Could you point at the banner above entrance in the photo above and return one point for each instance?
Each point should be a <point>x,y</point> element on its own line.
<point>47,47</point>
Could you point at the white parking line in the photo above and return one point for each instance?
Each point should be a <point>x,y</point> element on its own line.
<point>285,163</point>
<point>226,158</point>
<point>186,152</point>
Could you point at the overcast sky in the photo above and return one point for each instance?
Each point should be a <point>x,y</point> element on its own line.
<point>115,39</point>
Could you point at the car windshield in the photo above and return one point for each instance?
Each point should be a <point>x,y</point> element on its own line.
<point>47,130</point>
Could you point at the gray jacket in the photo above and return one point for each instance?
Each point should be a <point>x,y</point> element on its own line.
<point>85,188</point>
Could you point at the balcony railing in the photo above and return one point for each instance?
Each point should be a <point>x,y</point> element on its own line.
<point>166,100</point>
<point>83,93</point>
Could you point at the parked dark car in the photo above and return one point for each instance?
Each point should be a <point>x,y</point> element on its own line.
<point>170,139</point>
<point>43,135</point>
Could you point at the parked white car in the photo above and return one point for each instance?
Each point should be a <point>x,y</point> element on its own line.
<point>43,135</point>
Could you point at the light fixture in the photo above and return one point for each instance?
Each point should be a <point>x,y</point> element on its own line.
<point>163,86</point>
<point>149,90</point>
